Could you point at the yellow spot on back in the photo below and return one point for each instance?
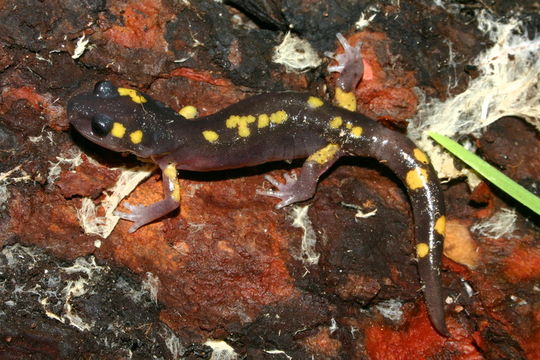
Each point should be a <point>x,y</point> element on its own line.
<point>133,94</point>
<point>416,178</point>
<point>244,131</point>
<point>440,225</point>
<point>264,121</point>
<point>279,117</point>
<point>348,126</point>
<point>325,154</point>
<point>210,136</point>
<point>189,112</point>
<point>240,122</point>
<point>346,100</point>
<point>314,102</point>
<point>136,136</point>
<point>356,131</point>
<point>422,249</point>
<point>118,130</point>
<point>420,156</point>
<point>336,122</point>
<point>232,121</point>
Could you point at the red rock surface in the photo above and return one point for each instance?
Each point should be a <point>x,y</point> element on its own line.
<point>227,265</point>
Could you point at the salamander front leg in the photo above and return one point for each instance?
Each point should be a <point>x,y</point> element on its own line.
<point>296,190</point>
<point>142,215</point>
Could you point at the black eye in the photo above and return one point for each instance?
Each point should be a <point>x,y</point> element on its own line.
<point>105,89</point>
<point>101,124</point>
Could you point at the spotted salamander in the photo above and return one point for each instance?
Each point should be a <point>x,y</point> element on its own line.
<point>264,128</point>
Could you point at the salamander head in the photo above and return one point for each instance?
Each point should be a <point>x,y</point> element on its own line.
<point>123,120</point>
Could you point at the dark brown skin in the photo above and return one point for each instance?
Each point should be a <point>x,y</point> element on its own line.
<point>260,129</point>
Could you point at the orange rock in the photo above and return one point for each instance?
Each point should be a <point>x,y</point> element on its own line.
<point>143,25</point>
<point>459,245</point>
<point>322,343</point>
<point>419,341</point>
<point>523,264</point>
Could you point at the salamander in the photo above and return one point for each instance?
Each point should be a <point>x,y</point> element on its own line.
<point>264,128</point>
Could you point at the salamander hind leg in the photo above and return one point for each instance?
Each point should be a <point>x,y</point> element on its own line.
<point>290,192</point>
<point>296,190</point>
<point>349,65</point>
<point>351,69</point>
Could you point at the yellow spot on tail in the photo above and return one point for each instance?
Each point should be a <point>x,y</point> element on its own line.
<point>279,117</point>
<point>210,136</point>
<point>346,100</point>
<point>170,173</point>
<point>118,130</point>
<point>420,156</point>
<point>356,131</point>
<point>189,112</point>
<point>416,178</point>
<point>240,122</point>
<point>422,249</point>
<point>336,122</point>
<point>263,121</point>
<point>440,225</point>
<point>325,154</point>
<point>314,102</point>
<point>136,136</point>
<point>133,94</point>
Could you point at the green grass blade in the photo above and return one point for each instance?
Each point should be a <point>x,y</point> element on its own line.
<point>496,177</point>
